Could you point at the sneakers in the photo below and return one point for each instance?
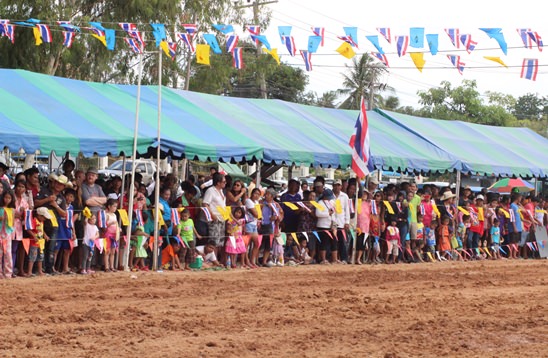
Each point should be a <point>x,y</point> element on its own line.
<point>279,264</point>
<point>270,264</point>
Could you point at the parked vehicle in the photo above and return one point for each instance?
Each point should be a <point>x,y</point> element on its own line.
<point>145,167</point>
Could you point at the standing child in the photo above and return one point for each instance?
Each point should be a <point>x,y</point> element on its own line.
<point>7,228</point>
<point>141,244</point>
<point>462,234</point>
<point>418,243</point>
<point>65,233</point>
<point>392,241</point>
<point>187,231</point>
<point>495,239</point>
<point>235,244</point>
<point>91,233</point>
<point>112,235</point>
<point>430,235</point>
<point>38,241</point>
<point>444,239</point>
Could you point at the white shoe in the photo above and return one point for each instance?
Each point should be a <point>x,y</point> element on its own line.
<point>270,264</point>
<point>279,264</point>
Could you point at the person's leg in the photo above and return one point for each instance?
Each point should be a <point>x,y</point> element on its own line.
<point>342,245</point>
<point>66,255</point>
<point>14,247</point>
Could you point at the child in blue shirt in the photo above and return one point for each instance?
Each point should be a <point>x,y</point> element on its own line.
<point>495,238</point>
<point>430,234</point>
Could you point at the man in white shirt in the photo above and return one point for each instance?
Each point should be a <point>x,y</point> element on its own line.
<point>215,201</point>
<point>342,217</point>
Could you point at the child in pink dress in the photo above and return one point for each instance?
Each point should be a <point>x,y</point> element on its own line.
<point>235,244</point>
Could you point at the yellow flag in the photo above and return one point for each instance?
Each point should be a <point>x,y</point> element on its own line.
<point>359,209</point>
<point>495,59</point>
<point>103,39</point>
<point>480,214</point>
<point>161,221</point>
<point>463,210</point>
<point>37,36</point>
<point>9,216</point>
<point>259,211</point>
<point>42,245</point>
<point>506,213</point>
<point>338,206</point>
<point>418,59</point>
<point>165,47</point>
<point>53,219</point>
<point>388,207</point>
<point>435,208</point>
<point>202,54</point>
<point>487,251</point>
<point>123,216</point>
<point>273,53</point>
<point>87,212</point>
<point>316,205</point>
<point>224,213</point>
<point>294,236</point>
<point>346,50</point>
<point>429,254</point>
<point>291,205</point>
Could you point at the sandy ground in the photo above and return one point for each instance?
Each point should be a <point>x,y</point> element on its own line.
<point>483,309</point>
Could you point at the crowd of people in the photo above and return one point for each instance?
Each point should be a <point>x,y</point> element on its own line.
<point>77,223</point>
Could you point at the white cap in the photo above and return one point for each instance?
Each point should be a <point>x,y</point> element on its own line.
<point>44,212</point>
<point>480,197</point>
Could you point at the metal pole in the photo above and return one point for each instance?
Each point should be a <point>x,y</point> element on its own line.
<point>133,155</point>
<point>157,179</point>
<point>258,176</point>
<point>457,189</point>
<point>355,218</point>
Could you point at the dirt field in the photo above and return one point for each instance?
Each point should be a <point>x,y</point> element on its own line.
<point>483,309</point>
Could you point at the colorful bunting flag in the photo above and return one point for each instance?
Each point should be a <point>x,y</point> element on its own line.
<point>497,35</point>
<point>225,29</point>
<point>402,42</point>
<point>495,59</point>
<point>455,60</point>
<point>187,40</point>
<point>254,30</point>
<point>529,69</point>
<point>307,57</point>
<point>237,58</point>
<point>352,35</point>
<point>535,37</point>
<point>416,37</point>
<point>525,38</point>
<point>319,31</point>
<point>432,40</point>
<point>69,219</point>
<point>191,29</point>
<point>454,35</point>
<point>418,60</point>
<point>212,42</point>
<point>261,39</point>
<point>159,33</point>
<point>385,32</point>
<point>313,43</point>
<point>381,57</point>
<point>231,42</point>
<point>273,53</point>
<point>169,48</point>
<point>346,50</point>
<point>29,220</point>
<point>468,43</point>
<point>131,30</point>
<point>375,41</point>
<point>45,32</point>
<point>290,44</point>
<point>134,45</point>
<point>284,31</point>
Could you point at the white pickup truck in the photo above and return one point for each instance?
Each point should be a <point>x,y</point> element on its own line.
<point>145,167</point>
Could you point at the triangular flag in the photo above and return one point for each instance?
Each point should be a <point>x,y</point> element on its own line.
<point>402,42</point>
<point>416,37</point>
<point>418,60</point>
<point>26,245</point>
<point>497,35</point>
<point>388,207</point>
<point>53,219</point>
<point>432,40</point>
<point>495,59</point>
<point>319,31</point>
<point>290,45</point>
<point>294,236</point>
<point>385,32</point>
<point>284,31</point>
<point>212,42</point>
<point>305,236</point>
<point>313,43</point>
<point>338,206</point>
<point>259,211</point>
<point>202,54</point>
<point>231,42</point>
<point>237,58</point>
<point>262,39</point>
<point>291,205</point>
<point>352,34</point>
<point>159,33</point>
<point>346,50</point>
<point>169,48</point>
<point>225,29</point>
<point>375,41</point>
<point>307,58</point>
<point>316,205</point>
<point>123,216</point>
<point>274,53</point>
<point>529,70</point>
<point>381,57</point>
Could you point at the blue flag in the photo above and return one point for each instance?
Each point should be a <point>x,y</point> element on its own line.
<point>159,33</point>
<point>263,40</point>
<point>375,41</point>
<point>432,40</point>
<point>352,32</point>
<point>313,43</point>
<point>110,37</point>
<point>212,42</point>
<point>496,33</point>
<point>225,29</point>
<point>284,31</point>
<point>416,37</point>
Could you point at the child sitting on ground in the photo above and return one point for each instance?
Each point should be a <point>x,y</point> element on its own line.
<point>304,257</point>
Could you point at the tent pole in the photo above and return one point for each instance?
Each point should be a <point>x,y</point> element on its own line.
<point>457,189</point>
<point>132,178</point>
<point>157,179</point>
<point>353,259</point>
<point>258,176</point>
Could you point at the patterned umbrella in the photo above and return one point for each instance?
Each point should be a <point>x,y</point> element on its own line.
<point>508,185</point>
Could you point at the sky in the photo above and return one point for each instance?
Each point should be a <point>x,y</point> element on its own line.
<point>399,15</point>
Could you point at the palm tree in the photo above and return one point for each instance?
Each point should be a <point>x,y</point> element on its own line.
<point>362,79</point>
<point>327,99</point>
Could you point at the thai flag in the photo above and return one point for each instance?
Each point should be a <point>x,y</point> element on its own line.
<point>96,31</point>
<point>374,209</point>
<point>348,39</point>
<point>381,57</point>
<point>237,58</point>
<point>231,42</point>
<point>454,36</point>
<point>455,60</point>
<point>352,209</point>
<point>468,43</point>
<point>307,57</point>
<point>290,44</point>
<point>191,29</point>
<point>385,32</point>
<point>134,45</point>
<point>172,49</point>
<point>70,218</point>
<point>139,217</point>
<point>207,214</point>
<point>29,220</point>
<point>175,216</point>
<point>398,205</point>
<point>524,34</point>
<point>274,208</point>
<point>529,69</point>
<point>254,30</point>
<point>319,31</point>
<point>45,33</point>
<point>422,209</point>
<point>132,31</point>
<point>402,42</point>
<point>303,205</point>
<point>533,35</point>
<point>9,32</point>
<point>101,219</point>
<point>68,38</point>
<point>187,39</point>
<point>359,142</point>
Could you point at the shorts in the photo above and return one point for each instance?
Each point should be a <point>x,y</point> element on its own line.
<point>523,238</point>
<point>266,231</point>
<point>360,242</point>
<point>35,255</point>
<point>514,237</point>
<point>251,228</point>
<point>62,244</point>
<point>496,247</point>
<point>392,247</point>
<point>216,231</point>
<point>413,231</point>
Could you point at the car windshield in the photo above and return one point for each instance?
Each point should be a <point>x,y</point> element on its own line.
<point>117,165</point>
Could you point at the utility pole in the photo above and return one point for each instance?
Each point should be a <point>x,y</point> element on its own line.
<point>255,5</point>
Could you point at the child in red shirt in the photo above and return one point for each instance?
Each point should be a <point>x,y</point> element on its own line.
<point>38,242</point>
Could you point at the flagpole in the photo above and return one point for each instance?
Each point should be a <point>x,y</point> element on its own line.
<point>355,218</point>
<point>133,156</point>
<point>157,179</point>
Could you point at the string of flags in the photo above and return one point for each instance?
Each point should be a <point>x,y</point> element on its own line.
<point>209,42</point>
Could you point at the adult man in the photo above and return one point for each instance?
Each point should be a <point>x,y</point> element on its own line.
<point>214,200</point>
<point>291,217</point>
<point>92,194</point>
<point>32,175</point>
<point>373,184</point>
<point>413,206</point>
<point>342,218</point>
<point>318,187</point>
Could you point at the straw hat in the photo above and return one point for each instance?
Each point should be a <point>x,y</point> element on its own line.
<point>447,195</point>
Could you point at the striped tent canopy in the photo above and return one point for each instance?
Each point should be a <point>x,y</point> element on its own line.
<point>46,113</point>
<point>481,149</point>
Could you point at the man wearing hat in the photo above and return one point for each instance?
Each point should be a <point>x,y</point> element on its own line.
<point>51,197</point>
<point>92,194</point>
<point>325,225</point>
<point>465,196</point>
<point>372,184</point>
<point>342,217</point>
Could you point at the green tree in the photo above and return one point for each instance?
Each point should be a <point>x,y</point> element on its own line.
<point>363,78</point>
<point>529,106</point>
<point>327,99</point>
